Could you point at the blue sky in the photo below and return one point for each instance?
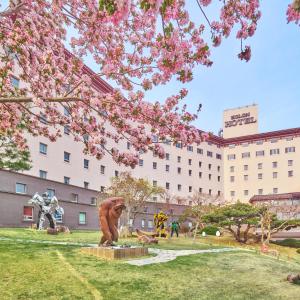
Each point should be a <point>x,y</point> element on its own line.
<point>270,79</point>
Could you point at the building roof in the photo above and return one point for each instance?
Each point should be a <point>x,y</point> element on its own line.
<point>286,196</point>
<point>262,136</point>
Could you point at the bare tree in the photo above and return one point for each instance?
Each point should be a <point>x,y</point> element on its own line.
<point>136,191</point>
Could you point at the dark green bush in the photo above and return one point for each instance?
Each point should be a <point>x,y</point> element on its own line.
<point>209,230</point>
<point>298,250</point>
<point>288,243</point>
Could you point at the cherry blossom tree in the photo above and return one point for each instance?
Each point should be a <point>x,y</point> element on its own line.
<point>138,44</point>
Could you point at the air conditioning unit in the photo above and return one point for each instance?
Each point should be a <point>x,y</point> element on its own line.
<point>28,218</point>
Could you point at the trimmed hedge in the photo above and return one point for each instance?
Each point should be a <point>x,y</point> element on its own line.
<point>288,243</point>
<point>209,230</point>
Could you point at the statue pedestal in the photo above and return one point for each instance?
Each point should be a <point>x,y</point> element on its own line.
<point>115,253</point>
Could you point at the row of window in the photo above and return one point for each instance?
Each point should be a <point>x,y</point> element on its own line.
<point>262,153</point>
<point>28,216</point>
<point>260,192</point>
<point>260,176</point>
<point>21,188</point>
<point>260,142</point>
<point>260,166</point>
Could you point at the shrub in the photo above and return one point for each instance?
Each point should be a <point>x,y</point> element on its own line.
<point>288,243</point>
<point>210,230</point>
<point>298,250</point>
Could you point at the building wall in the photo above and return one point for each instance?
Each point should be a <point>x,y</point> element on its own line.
<point>274,160</point>
<point>206,171</point>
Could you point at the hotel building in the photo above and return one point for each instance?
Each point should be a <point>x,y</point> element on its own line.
<point>237,166</point>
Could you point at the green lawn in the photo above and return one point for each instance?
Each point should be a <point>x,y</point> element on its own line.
<point>41,271</point>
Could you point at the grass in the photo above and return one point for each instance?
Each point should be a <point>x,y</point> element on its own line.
<point>37,271</point>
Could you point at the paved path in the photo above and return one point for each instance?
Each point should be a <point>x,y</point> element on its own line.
<point>168,255</point>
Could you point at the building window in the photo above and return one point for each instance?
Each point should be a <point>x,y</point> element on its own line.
<point>246,192</point>
<point>143,223</point>
<point>259,142</point>
<point>51,192</point>
<point>82,218</point>
<point>199,151</point>
<point>66,111</point>
<point>231,156</point>
<point>43,148</point>
<point>67,129</point>
<point>179,170</point>
<point>190,172</point>
<point>93,201</point>
<point>102,189</point>
<point>290,149</point>
<point>167,185</point>
<point>275,175</point>
<point>219,178</point>
<point>232,193</point>
<point>246,177</point>
<point>154,183</point>
<point>58,217</point>
<point>179,187</point>
<point>178,159</point>
<point>209,166</point>
<point>86,163</point>
<point>209,176</point>
<point>275,190</point>
<point>43,119</point>
<point>66,180</point>
<point>154,165</point>
<point>200,190</point>
<point>116,173</point>
<point>200,174</point>
<point>102,169</point>
<point>190,148</point>
<point>290,163</point>
<point>219,168</point>
<point>246,167</point>
<point>190,189</point>
<point>28,213</point>
<point>219,193</point>
<point>246,155</point>
<point>200,164</point>
<point>260,191</point>
<point>209,154</point>
<point>291,173</point>
<point>259,166</point>
<point>231,178</point>
<point>67,156</point>
<point>128,146</point>
<point>260,153</point>
<point>15,82</point>
<point>209,191</point>
<point>150,224</point>
<point>21,188</point>
<point>274,151</point>
<point>86,184</point>
<point>274,164</point>
<point>190,162</point>
<point>232,169</point>
<point>218,156</point>
<point>178,145</point>
<point>74,197</point>
<point>43,174</point>
<point>167,168</point>
<point>260,176</point>
<point>141,162</point>
<point>167,156</point>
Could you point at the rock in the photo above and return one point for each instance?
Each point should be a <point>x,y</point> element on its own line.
<point>63,229</point>
<point>52,231</point>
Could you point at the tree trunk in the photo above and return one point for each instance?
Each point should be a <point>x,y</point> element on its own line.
<point>195,233</point>
<point>246,233</point>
